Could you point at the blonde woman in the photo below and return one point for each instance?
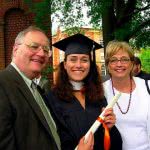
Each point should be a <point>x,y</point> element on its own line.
<point>133,107</point>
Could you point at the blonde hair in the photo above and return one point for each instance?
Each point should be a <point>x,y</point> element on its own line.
<point>114,46</point>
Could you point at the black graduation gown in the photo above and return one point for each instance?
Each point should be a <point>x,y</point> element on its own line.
<point>74,121</point>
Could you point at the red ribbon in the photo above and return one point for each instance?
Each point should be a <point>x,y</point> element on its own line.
<point>106,134</point>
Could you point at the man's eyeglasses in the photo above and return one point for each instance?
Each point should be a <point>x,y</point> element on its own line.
<point>123,60</point>
<point>35,47</point>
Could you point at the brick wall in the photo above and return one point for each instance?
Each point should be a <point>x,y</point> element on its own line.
<point>14,17</point>
<point>15,21</point>
<point>2,58</point>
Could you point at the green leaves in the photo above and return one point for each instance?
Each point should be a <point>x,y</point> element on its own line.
<point>145,59</point>
<point>119,19</point>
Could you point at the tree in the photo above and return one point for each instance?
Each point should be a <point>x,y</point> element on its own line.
<point>120,19</point>
<point>42,13</point>
<point>145,59</point>
<point>127,20</point>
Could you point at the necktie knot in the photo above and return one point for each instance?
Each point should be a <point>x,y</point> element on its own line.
<point>33,85</point>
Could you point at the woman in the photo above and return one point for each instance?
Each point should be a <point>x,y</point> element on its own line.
<point>133,107</point>
<point>77,97</point>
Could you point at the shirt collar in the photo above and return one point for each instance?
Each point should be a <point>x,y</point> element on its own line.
<point>25,78</point>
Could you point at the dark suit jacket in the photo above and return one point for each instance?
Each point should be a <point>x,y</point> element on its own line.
<point>22,124</point>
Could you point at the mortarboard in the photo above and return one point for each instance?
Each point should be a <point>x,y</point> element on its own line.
<point>77,44</point>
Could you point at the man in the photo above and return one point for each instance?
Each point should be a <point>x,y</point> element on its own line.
<point>23,121</point>
<point>137,70</point>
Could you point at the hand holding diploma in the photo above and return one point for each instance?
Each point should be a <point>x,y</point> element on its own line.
<point>101,117</point>
<point>86,146</point>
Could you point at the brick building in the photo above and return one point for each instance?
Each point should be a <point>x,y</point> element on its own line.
<point>14,17</point>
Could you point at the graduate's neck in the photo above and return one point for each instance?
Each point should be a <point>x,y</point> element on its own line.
<point>77,86</point>
<point>78,92</point>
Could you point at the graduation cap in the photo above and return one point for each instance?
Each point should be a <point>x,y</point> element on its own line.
<point>77,44</point>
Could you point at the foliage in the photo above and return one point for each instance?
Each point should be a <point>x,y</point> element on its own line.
<point>70,14</point>
<point>128,19</point>
<point>73,30</point>
<point>47,71</point>
<point>42,11</point>
<point>145,59</point>
<point>119,19</point>
<point>142,39</point>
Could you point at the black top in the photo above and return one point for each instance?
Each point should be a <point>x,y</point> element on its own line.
<point>74,122</point>
<point>143,75</point>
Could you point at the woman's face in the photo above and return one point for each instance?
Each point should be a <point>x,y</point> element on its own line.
<point>77,66</point>
<point>120,65</point>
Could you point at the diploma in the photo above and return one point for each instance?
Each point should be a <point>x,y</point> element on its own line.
<point>97,123</point>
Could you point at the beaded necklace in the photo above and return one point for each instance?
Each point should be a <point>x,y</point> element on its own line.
<point>124,112</point>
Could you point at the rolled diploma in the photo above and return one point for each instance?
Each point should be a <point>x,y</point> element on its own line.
<point>96,124</point>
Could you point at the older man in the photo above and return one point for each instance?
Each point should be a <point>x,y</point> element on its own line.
<point>25,121</point>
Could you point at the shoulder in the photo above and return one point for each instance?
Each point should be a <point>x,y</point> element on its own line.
<point>107,83</point>
<point>141,84</point>
<point>139,81</point>
<point>56,103</point>
<point>4,73</point>
<point>8,75</point>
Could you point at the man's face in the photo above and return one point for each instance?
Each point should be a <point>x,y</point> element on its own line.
<point>136,69</point>
<point>31,56</point>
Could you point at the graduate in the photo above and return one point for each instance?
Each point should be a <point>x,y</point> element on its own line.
<point>78,98</point>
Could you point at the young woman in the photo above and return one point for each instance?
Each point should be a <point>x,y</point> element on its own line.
<point>133,107</point>
<point>77,97</point>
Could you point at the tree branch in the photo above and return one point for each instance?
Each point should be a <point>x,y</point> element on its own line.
<point>141,9</point>
<point>126,12</point>
<point>138,28</point>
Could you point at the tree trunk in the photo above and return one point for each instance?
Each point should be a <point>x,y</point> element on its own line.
<point>108,26</point>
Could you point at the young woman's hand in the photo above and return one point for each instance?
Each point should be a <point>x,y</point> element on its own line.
<point>88,145</point>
